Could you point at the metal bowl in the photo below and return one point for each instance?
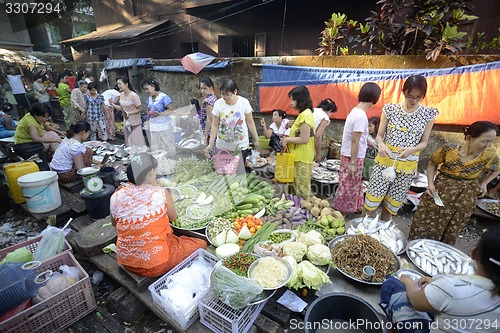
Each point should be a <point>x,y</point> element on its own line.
<point>190,191</point>
<point>410,272</point>
<point>174,191</point>
<point>262,297</point>
<point>334,241</point>
<point>205,209</point>
<point>88,171</point>
<point>286,265</point>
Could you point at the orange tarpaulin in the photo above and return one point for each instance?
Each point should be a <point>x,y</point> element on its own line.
<point>462,94</point>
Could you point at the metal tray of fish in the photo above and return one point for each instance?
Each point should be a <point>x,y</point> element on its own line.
<point>324,175</point>
<point>433,257</point>
<point>331,164</point>
<point>490,206</point>
<point>385,232</point>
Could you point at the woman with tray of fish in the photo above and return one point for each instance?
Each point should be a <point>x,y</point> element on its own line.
<point>450,199</point>
<point>460,303</point>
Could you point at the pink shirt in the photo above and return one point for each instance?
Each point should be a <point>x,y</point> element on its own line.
<point>356,121</point>
<point>129,104</point>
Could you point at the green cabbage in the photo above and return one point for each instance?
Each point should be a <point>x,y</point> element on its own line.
<point>20,255</point>
<point>312,276</point>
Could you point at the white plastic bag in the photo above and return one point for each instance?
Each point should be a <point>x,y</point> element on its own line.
<point>390,173</point>
<point>52,242</point>
<point>253,156</point>
<point>58,282</point>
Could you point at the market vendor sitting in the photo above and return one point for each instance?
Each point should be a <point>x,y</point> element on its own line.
<point>141,213</point>
<point>451,300</point>
<point>7,124</point>
<point>72,155</point>
<point>34,135</point>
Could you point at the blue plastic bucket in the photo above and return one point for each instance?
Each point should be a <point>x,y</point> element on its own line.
<point>41,191</point>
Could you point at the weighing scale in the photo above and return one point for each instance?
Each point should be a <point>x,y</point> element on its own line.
<point>93,184</point>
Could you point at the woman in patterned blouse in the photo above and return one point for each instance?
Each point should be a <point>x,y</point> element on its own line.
<point>403,132</point>
<point>457,184</point>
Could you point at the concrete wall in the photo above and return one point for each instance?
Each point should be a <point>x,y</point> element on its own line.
<point>182,87</point>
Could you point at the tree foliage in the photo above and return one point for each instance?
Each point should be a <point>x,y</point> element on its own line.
<point>410,27</point>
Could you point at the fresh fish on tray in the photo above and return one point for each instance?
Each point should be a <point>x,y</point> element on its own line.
<point>385,232</point>
<point>435,257</point>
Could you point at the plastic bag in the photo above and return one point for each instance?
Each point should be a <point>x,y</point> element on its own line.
<point>234,290</point>
<point>253,156</point>
<point>58,282</point>
<point>390,173</point>
<point>285,167</point>
<point>52,243</point>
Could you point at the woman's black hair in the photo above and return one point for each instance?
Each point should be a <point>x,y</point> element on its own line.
<point>92,85</point>
<point>281,113</point>
<point>139,167</point>
<point>39,109</point>
<point>60,77</point>
<point>79,126</point>
<point>369,93</point>
<point>489,255</point>
<point>39,76</point>
<point>196,104</point>
<point>207,81</point>
<point>302,96</point>
<point>226,84</point>
<point>376,122</point>
<point>479,127</point>
<point>80,75</point>
<point>415,82</point>
<point>149,81</point>
<point>328,105</point>
<point>126,81</point>
<point>7,107</point>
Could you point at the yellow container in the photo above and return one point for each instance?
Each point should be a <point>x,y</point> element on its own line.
<point>15,170</point>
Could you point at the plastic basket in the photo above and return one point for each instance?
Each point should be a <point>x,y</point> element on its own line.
<point>263,142</point>
<point>180,318</point>
<point>61,310</point>
<point>225,162</point>
<point>222,318</point>
<point>31,245</point>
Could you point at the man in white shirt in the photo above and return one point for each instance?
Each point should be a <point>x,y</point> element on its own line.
<point>18,90</point>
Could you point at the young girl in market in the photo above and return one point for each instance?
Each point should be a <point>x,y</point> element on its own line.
<point>404,131</point>
<point>72,155</point>
<point>301,141</point>
<point>321,120</point>
<point>94,112</point>
<point>372,149</point>
<point>207,89</point>
<point>141,213</point>
<point>276,129</point>
<point>457,302</point>
<point>459,182</point>
<point>349,194</point>
<point>232,120</point>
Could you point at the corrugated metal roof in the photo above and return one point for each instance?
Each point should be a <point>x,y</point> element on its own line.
<point>122,32</point>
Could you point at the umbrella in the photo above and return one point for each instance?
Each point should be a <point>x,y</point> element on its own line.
<point>195,62</point>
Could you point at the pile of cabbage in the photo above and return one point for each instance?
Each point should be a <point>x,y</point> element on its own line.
<point>305,272</point>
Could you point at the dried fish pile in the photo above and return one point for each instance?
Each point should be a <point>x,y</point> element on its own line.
<point>437,258</point>
<point>355,252</point>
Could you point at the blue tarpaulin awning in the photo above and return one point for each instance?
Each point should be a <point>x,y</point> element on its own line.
<point>127,63</point>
